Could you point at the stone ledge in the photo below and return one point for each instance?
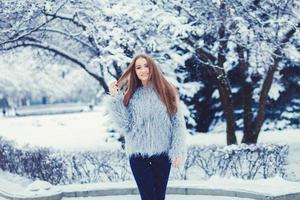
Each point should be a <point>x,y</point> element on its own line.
<point>114,189</point>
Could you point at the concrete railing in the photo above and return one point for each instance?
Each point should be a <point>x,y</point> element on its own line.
<point>129,188</point>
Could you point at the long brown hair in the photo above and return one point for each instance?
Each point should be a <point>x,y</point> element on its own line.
<point>166,91</point>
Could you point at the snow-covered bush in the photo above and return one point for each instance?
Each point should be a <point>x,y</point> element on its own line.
<point>34,163</point>
<point>99,166</point>
<point>56,167</point>
<point>241,161</point>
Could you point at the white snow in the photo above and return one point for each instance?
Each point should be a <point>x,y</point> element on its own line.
<point>168,197</point>
<point>11,183</point>
<point>39,185</point>
<point>80,131</point>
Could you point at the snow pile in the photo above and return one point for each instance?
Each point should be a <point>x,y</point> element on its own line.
<point>39,185</point>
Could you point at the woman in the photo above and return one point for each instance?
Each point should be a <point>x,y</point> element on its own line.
<point>154,129</point>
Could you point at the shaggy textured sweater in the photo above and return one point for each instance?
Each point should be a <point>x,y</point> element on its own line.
<point>146,125</point>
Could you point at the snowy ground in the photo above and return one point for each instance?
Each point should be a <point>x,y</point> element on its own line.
<point>87,131</point>
<point>168,197</point>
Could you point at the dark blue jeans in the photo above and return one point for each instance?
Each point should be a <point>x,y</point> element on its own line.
<point>151,175</point>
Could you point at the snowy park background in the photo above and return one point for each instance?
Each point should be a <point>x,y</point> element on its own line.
<point>236,65</point>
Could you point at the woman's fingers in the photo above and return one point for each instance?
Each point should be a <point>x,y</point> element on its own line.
<point>177,162</point>
<point>113,88</point>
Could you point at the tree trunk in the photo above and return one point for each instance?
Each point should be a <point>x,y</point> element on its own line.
<point>227,104</point>
<point>226,98</point>
<point>247,96</point>
<point>260,117</point>
<point>223,82</point>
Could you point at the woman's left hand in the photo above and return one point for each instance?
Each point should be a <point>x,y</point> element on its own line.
<point>177,162</point>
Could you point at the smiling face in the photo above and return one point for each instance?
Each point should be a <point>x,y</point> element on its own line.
<point>142,70</point>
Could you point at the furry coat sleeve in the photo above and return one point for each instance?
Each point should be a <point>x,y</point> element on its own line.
<point>119,113</point>
<point>178,147</point>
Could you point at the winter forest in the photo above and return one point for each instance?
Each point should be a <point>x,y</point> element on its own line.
<point>235,63</point>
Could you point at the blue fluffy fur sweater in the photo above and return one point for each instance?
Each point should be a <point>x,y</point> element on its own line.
<point>146,125</point>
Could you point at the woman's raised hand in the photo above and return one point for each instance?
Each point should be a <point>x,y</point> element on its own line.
<point>113,88</point>
<point>177,162</point>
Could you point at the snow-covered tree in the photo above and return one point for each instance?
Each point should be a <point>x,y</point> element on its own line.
<point>98,36</point>
<point>250,35</point>
<point>24,78</point>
